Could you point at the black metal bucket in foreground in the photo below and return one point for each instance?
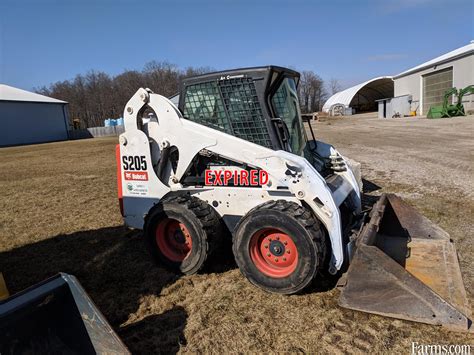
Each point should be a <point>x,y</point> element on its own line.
<point>406,267</point>
<point>55,316</point>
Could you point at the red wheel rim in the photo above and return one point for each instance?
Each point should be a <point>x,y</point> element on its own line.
<point>173,239</point>
<point>273,253</point>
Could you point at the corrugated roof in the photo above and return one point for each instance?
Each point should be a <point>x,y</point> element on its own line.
<point>345,96</point>
<point>460,52</point>
<point>9,93</point>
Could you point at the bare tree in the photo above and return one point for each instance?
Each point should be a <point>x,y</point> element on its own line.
<point>191,71</point>
<point>311,92</point>
<point>334,86</point>
<point>96,96</point>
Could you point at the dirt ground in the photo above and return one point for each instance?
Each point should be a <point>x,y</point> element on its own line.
<point>59,212</point>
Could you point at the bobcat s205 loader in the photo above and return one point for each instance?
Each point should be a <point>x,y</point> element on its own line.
<point>234,155</point>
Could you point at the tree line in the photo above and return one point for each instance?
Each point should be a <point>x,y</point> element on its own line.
<point>96,96</point>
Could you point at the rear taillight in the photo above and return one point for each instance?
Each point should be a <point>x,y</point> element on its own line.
<point>121,206</point>
<point>119,178</point>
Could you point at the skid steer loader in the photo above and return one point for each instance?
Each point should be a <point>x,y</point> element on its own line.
<point>234,156</point>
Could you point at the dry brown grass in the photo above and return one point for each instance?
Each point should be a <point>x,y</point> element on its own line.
<point>59,213</point>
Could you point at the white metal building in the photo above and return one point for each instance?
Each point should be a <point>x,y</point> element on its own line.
<point>361,97</point>
<point>428,82</point>
<point>26,117</point>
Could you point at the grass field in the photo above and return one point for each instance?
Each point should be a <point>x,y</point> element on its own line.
<point>59,212</point>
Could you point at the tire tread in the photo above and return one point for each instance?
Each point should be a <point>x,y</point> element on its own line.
<point>306,219</point>
<point>207,217</point>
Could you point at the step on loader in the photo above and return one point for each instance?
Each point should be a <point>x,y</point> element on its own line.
<point>233,158</point>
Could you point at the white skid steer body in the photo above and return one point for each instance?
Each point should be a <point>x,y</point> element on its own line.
<point>290,177</point>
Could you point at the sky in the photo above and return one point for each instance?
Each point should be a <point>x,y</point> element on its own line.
<point>44,41</point>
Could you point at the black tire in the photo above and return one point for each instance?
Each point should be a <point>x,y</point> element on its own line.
<point>292,220</point>
<point>202,228</point>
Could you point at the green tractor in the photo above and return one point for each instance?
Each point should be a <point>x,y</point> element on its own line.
<point>451,110</point>
<point>459,111</point>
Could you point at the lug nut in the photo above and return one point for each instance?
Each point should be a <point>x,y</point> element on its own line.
<point>276,259</point>
<point>285,242</point>
<point>266,246</point>
<point>278,237</point>
<point>284,259</point>
<point>288,252</point>
<point>268,254</point>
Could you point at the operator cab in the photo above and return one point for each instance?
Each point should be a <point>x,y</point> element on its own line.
<point>259,105</point>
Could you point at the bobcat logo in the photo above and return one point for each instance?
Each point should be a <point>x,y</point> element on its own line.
<point>294,172</point>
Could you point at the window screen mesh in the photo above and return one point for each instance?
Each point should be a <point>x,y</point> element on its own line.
<point>243,108</point>
<point>230,105</point>
<point>203,105</point>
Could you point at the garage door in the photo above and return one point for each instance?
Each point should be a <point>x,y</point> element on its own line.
<point>434,87</point>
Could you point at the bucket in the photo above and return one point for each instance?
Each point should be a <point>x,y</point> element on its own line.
<point>406,267</point>
<point>55,316</point>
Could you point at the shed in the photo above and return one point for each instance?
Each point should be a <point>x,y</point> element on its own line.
<point>429,81</point>
<point>27,117</point>
<point>392,107</point>
<point>361,97</point>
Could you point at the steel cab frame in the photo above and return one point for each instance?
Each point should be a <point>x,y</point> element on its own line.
<point>271,90</point>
